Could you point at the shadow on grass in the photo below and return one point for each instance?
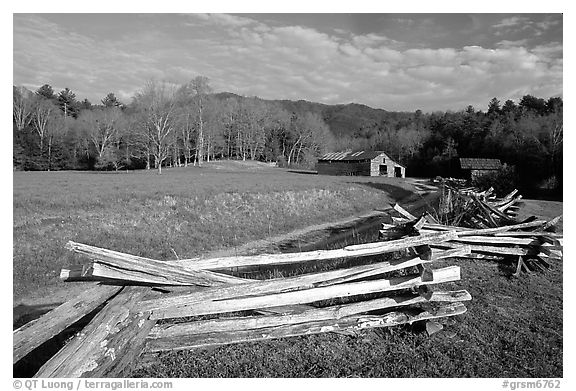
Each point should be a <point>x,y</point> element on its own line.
<point>507,268</point>
<point>22,314</point>
<point>395,192</point>
<point>305,172</point>
<point>33,361</point>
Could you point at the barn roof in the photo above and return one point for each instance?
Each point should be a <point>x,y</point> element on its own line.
<point>480,164</point>
<point>351,156</point>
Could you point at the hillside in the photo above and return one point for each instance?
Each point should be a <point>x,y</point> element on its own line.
<point>343,119</point>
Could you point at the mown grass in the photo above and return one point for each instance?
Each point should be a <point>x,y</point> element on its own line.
<point>183,212</point>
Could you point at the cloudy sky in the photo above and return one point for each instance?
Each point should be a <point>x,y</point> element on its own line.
<point>390,61</point>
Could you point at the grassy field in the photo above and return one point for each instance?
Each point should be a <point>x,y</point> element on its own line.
<point>185,212</point>
<point>513,327</point>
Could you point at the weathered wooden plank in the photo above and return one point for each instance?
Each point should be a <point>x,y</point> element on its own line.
<point>536,234</point>
<point>354,324</point>
<point>429,218</point>
<point>107,272</point>
<point>317,255</point>
<point>401,244</point>
<point>517,251</point>
<point>309,315</point>
<point>399,220</point>
<point>510,195</point>
<point>278,285</point>
<point>192,307</point>
<point>285,309</point>
<point>124,347</point>
<point>498,213</point>
<point>394,232</point>
<point>551,223</point>
<point>485,231</point>
<point>105,338</point>
<point>38,331</point>
<point>77,273</point>
<point>300,282</point>
<point>485,213</point>
<point>166,272</point>
<point>505,206</point>
<point>404,212</point>
<point>501,240</point>
<point>306,281</point>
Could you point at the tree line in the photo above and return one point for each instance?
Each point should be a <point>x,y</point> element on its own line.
<point>164,125</point>
<point>526,135</point>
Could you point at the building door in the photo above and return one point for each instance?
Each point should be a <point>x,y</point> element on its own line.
<point>398,172</point>
<point>383,170</point>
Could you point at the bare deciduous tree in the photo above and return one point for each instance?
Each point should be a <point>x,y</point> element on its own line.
<point>43,111</point>
<point>200,85</point>
<point>157,102</point>
<point>22,107</point>
<point>102,126</point>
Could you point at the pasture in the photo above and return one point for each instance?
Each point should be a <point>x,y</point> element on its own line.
<point>513,327</point>
<point>184,212</point>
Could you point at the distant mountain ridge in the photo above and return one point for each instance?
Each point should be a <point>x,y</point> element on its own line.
<point>343,119</point>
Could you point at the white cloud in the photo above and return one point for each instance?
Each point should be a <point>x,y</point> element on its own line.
<point>248,57</point>
<point>513,21</point>
<point>507,43</point>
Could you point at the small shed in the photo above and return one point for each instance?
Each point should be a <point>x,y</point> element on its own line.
<point>475,167</point>
<point>364,163</point>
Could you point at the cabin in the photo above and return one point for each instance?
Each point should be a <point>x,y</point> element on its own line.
<point>363,163</point>
<point>476,167</point>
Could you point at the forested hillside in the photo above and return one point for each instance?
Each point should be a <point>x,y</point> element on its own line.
<point>172,125</point>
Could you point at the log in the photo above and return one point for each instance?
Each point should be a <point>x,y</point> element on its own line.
<point>517,251</point>
<point>180,342</point>
<point>404,212</point>
<point>77,273</point>
<point>285,310</point>
<point>537,234</point>
<point>505,206</point>
<point>279,285</point>
<point>501,240</point>
<point>399,220</point>
<point>122,276</point>
<point>401,244</point>
<point>306,281</point>
<point>485,231</point>
<point>394,232</point>
<point>310,315</point>
<point>165,272</point>
<point>429,218</point>
<point>551,223</point>
<point>189,306</point>
<point>498,213</point>
<point>485,213</point>
<point>510,195</point>
<point>38,331</point>
<point>106,338</point>
<point>317,255</point>
<point>106,345</point>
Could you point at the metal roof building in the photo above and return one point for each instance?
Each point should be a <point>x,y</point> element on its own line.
<point>476,167</point>
<point>367,163</point>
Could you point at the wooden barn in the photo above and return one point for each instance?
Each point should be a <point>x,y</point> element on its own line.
<point>365,163</point>
<point>475,167</point>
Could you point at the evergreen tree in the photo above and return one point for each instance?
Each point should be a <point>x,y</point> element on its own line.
<point>68,103</point>
<point>46,92</point>
<point>111,101</point>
